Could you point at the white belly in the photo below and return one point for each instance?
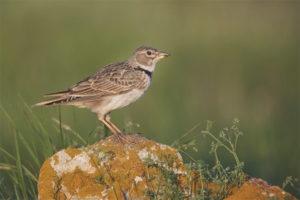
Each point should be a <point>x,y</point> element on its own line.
<point>120,101</point>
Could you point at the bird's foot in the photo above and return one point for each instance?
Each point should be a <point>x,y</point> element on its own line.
<point>123,138</point>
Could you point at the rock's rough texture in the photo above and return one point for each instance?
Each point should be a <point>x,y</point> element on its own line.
<point>259,189</point>
<point>112,170</point>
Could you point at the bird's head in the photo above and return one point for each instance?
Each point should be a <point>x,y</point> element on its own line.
<point>147,57</point>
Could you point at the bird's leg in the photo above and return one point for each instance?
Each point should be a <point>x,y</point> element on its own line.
<point>102,119</point>
<point>123,136</point>
<point>107,118</point>
<point>115,132</point>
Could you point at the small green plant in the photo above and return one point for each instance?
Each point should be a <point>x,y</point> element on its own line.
<point>166,180</point>
<point>228,139</point>
<point>224,178</point>
<point>289,181</point>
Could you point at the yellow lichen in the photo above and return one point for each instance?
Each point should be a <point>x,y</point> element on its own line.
<point>256,189</point>
<point>72,152</point>
<point>55,158</point>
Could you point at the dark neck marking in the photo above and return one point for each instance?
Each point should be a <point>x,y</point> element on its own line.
<point>144,70</point>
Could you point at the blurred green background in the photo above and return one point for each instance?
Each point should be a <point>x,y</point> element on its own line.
<point>229,59</point>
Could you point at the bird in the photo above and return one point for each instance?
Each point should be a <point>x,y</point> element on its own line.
<point>112,87</point>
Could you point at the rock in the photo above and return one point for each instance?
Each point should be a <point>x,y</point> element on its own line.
<point>113,170</point>
<point>106,170</point>
<point>256,189</point>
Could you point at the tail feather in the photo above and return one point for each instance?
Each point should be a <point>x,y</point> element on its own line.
<point>62,93</point>
<point>53,101</point>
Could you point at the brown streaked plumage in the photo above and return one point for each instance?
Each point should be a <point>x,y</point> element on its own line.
<point>112,87</point>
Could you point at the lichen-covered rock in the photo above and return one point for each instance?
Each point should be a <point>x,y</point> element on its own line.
<point>107,170</point>
<point>257,189</point>
<point>113,170</point>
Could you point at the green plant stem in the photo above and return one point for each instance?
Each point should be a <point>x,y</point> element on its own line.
<point>60,128</point>
<point>19,168</point>
<point>189,156</point>
<point>184,135</point>
<point>223,145</point>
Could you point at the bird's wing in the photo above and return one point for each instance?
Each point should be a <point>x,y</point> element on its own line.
<point>110,80</point>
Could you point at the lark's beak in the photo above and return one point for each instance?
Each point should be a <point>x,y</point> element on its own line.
<point>162,55</point>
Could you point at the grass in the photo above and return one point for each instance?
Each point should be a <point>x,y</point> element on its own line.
<point>19,180</point>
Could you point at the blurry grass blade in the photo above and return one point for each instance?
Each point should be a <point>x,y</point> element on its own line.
<point>186,133</point>
<point>68,128</point>
<point>8,117</point>
<point>13,177</point>
<point>48,141</point>
<point>9,167</point>
<point>62,141</point>
<point>33,190</point>
<point>24,168</point>
<point>36,130</point>
<point>19,167</point>
<point>7,154</point>
<point>1,195</point>
<point>30,174</point>
<point>16,192</point>
<point>2,188</point>
<point>188,155</point>
<point>5,166</point>
<point>18,157</point>
<point>29,149</point>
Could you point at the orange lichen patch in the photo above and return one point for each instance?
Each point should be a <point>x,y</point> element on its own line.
<point>257,189</point>
<point>72,152</point>
<point>48,180</point>
<point>55,158</point>
<point>77,184</point>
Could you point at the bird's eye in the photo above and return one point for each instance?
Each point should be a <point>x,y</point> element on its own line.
<point>148,53</point>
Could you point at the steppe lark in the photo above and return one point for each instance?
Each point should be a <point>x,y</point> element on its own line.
<point>112,87</point>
